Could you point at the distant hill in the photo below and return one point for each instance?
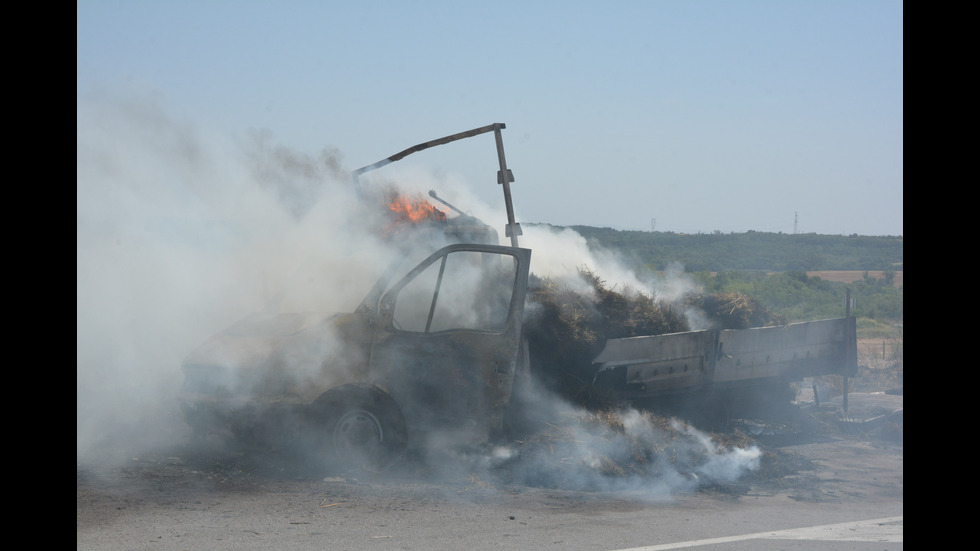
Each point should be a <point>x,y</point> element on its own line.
<point>850,276</point>
<point>749,251</point>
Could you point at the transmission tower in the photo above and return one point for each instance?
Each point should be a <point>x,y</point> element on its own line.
<point>796,220</point>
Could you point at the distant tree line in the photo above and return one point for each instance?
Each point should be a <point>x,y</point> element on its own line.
<point>799,297</point>
<point>751,251</point>
<point>772,267</point>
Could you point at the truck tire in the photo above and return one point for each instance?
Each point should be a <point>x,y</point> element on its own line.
<point>360,427</point>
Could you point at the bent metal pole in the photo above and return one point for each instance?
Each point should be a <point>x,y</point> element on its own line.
<point>504,178</point>
<point>504,175</point>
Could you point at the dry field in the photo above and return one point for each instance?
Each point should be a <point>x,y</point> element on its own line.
<point>880,352</point>
<point>848,276</point>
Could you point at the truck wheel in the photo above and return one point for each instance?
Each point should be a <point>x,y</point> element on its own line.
<point>363,428</point>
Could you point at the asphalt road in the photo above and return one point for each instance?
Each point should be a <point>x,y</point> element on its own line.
<point>821,489</point>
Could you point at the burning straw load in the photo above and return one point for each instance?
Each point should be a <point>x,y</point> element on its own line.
<point>736,311</point>
<point>605,447</point>
<point>567,328</point>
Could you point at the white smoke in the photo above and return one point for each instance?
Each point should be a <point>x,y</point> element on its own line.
<point>561,254</point>
<point>622,452</point>
<point>181,232</point>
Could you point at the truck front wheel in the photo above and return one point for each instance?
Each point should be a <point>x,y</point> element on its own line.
<point>361,427</point>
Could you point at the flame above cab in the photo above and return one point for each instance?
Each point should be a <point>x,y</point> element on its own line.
<point>409,211</point>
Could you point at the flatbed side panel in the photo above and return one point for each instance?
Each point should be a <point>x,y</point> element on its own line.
<point>662,363</point>
<point>791,351</point>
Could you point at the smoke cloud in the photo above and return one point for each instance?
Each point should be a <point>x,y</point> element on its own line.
<point>181,232</point>
<point>629,453</point>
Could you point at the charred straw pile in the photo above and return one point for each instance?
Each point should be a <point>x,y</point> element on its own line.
<point>607,446</point>
<point>735,311</point>
<point>630,450</point>
<point>566,328</point>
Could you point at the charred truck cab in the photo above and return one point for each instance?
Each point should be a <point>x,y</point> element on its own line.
<point>436,350</point>
<point>439,351</point>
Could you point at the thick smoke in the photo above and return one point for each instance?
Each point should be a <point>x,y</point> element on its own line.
<point>181,232</point>
<point>562,254</point>
<point>629,453</point>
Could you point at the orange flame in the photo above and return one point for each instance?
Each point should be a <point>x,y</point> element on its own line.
<point>408,211</point>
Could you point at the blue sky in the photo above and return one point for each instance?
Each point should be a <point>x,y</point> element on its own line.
<point>686,116</point>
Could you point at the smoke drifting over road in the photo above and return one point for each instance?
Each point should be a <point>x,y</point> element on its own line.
<point>181,233</point>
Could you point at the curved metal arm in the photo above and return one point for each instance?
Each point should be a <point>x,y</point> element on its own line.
<point>504,176</point>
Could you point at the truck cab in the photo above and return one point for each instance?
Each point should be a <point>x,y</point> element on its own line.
<point>436,350</point>
<point>432,350</point>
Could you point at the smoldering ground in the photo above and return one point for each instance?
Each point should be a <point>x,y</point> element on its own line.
<point>181,232</point>
<point>623,451</point>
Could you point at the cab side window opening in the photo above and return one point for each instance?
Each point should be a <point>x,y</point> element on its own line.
<point>464,290</point>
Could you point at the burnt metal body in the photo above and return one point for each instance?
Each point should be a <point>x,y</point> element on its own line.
<point>440,349</point>
<point>436,349</point>
<point>715,360</point>
<point>416,341</point>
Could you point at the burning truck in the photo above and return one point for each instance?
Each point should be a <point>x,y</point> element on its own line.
<point>439,347</point>
<point>434,346</point>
